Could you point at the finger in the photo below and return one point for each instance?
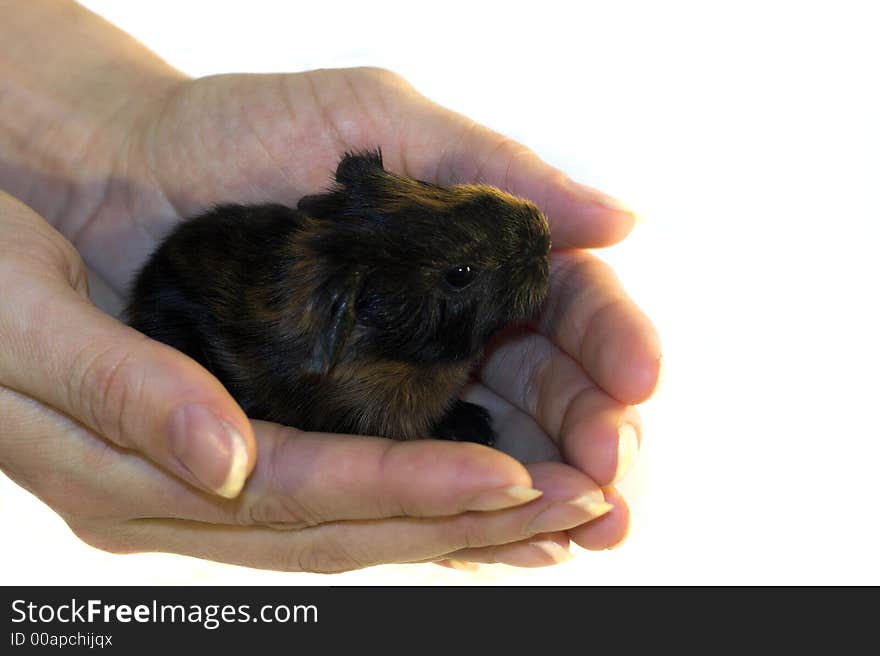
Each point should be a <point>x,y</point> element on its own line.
<point>460,565</point>
<point>570,499</point>
<point>140,394</point>
<point>301,479</point>
<point>608,531</point>
<point>69,467</point>
<point>590,317</point>
<point>538,551</point>
<point>444,147</point>
<point>594,432</point>
<point>137,393</point>
<point>305,479</point>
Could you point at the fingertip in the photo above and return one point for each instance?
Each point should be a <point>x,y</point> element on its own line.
<point>471,476</point>
<point>607,532</point>
<point>208,436</point>
<point>644,371</point>
<point>601,437</point>
<point>625,353</point>
<point>541,551</point>
<point>458,565</point>
<point>239,423</point>
<point>209,450</point>
<point>378,477</point>
<point>500,499</point>
<point>242,461</point>
<point>628,444</point>
<point>561,482</point>
<point>583,217</point>
<point>552,552</point>
<point>483,465</point>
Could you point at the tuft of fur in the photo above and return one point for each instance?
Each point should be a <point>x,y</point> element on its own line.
<point>346,314</point>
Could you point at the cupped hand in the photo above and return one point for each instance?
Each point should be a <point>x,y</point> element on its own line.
<point>90,416</point>
<point>564,389</point>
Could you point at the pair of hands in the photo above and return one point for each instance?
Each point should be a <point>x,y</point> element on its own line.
<point>89,408</point>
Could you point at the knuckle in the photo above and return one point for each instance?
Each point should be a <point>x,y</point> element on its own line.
<point>395,504</point>
<point>38,249</point>
<point>470,533</point>
<point>322,557</point>
<point>104,537</point>
<point>274,496</point>
<point>78,276</point>
<point>273,510</point>
<point>71,262</point>
<point>384,75</point>
<point>510,149</point>
<point>500,158</point>
<point>105,385</point>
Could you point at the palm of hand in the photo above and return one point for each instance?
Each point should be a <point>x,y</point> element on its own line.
<point>231,138</point>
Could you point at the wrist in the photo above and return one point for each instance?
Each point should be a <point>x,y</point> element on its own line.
<point>73,88</point>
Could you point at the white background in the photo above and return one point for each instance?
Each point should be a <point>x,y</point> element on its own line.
<point>746,136</point>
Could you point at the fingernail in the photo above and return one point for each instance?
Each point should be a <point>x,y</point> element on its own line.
<point>568,514</point>
<point>627,450</point>
<point>523,555</point>
<point>554,551</point>
<point>462,565</point>
<point>661,372</point>
<point>209,448</point>
<point>509,497</point>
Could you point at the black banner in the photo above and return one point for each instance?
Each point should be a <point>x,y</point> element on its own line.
<point>221,620</point>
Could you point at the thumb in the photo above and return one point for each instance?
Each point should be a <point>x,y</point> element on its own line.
<point>135,392</point>
<point>59,348</point>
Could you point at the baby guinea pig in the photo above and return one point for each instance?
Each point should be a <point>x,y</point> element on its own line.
<point>362,311</point>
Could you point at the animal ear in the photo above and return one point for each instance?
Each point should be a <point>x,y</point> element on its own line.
<point>334,328</point>
<point>352,175</point>
<point>354,167</point>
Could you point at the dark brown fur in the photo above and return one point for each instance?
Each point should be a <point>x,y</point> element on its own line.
<point>361,311</point>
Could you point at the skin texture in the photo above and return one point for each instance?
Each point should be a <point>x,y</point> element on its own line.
<point>86,402</point>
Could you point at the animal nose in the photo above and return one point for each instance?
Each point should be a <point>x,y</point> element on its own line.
<point>538,246</point>
<point>535,246</point>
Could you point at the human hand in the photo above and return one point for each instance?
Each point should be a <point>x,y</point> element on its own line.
<point>566,387</point>
<point>88,425</point>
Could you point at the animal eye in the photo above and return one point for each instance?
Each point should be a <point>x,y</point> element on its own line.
<point>460,276</point>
